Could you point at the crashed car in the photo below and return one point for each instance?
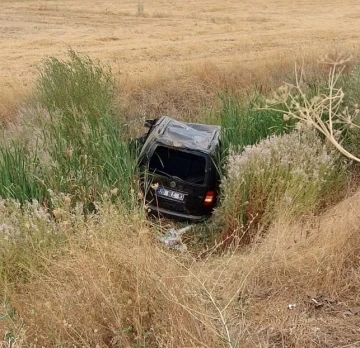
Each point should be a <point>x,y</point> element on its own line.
<point>179,171</point>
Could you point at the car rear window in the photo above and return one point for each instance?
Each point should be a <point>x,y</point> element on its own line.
<point>184,165</point>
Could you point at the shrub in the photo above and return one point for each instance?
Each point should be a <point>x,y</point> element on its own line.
<point>293,171</point>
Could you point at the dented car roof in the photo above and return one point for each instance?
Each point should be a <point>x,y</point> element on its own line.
<point>191,136</point>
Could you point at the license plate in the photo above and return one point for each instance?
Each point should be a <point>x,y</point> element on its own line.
<point>171,194</point>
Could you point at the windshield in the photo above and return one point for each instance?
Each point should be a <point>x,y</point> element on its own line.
<point>176,163</point>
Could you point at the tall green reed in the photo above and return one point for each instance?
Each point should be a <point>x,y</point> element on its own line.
<point>76,82</point>
<point>246,124</point>
<point>82,139</point>
<point>94,161</point>
<point>21,175</point>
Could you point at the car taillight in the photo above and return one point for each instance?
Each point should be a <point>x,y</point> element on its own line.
<point>209,198</point>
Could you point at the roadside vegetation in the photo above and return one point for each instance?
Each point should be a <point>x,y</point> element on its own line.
<point>278,266</point>
<point>70,139</point>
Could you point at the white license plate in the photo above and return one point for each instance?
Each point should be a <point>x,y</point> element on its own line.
<point>171,194</point>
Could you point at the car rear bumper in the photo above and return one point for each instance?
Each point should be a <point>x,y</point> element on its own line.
<point>168,213</point>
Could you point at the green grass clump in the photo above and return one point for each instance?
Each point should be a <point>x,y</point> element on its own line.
<point>78,143</point>
<point>349,80</point>
<point>246,124</point>
<point>90,156</point>
<point>350,83</point>
<point>291,173</point>
<point>21,173</point>
<point>78,83</point>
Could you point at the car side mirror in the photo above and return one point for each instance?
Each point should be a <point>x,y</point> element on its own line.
<point>150,123</point>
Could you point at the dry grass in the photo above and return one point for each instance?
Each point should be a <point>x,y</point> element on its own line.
<point>176,55</point>
<point>111,284</point>
<point>298,264</point>
<point>192,92</point>
<point>11,98</point>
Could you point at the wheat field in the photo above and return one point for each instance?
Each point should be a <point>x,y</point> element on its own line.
<point>171,56</point>
<point>142,37</point>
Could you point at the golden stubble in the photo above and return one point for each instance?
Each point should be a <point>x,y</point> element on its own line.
<point>171,56</point>
<point>138,38</point>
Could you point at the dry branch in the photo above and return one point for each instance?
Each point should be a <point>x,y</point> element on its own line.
<point>324,112</point>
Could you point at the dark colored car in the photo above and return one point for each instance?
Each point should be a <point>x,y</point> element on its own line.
<point>179,174</point>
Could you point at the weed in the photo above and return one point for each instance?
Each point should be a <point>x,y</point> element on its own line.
<point>15,325</point>
<point>325,111</point>
<point>21,175</point>
<point>80,147</point>
<point>78,83</point>
<point>293,172</point>
<point>97,160</point>
<point>243,124</point>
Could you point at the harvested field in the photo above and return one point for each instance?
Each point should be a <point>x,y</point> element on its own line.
<point>142,38</point>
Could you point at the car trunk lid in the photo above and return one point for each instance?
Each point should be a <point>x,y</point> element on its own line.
<point>179,179</point>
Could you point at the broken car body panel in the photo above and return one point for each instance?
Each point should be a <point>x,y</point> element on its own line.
<point>178,164</point>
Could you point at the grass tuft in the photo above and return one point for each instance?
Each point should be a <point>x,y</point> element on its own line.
<point>244,124</point>
<point>78,83</point>
<point>79,146</point>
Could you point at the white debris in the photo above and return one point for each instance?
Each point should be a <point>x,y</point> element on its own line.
<point>172,238</point>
